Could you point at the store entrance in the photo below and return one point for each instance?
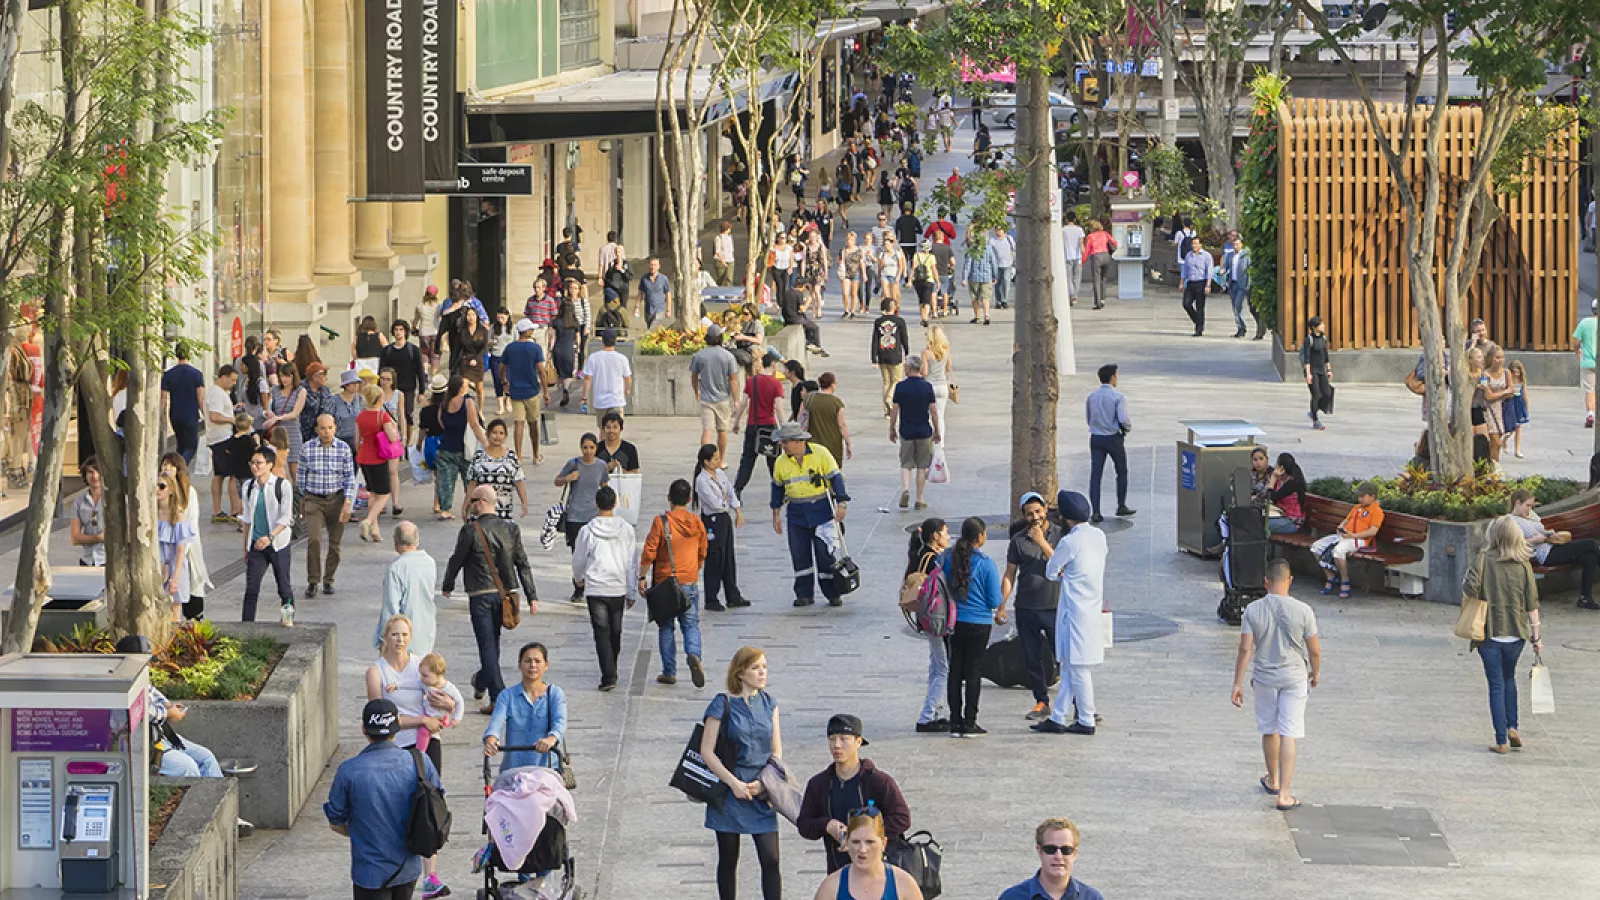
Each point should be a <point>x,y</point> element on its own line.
<point>478,247</point>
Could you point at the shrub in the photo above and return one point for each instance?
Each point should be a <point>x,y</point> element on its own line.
<point>198,663</point>
<point>670,341</point>
<point>1258,196</point>
<point>1415,493</point>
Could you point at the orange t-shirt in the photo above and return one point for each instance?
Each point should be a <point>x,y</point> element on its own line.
<point>1361,518</point>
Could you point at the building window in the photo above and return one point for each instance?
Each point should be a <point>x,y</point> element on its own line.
<point>580,34</point>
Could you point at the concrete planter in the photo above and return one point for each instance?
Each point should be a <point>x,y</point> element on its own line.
<point>661,387</point>
<point>195,857</point>
<point>289,731</point>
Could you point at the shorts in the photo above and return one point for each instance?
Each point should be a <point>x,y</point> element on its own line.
<point>377,477</point>
<point>1336,546</point>
<point>916,453</point>
<point>1281,710</point>
<point>220,466</point>
<point>982,292</point>
<point>1586,378</point>
<point>947,285</point>
<point>717,416</point>
<point>525,410</point>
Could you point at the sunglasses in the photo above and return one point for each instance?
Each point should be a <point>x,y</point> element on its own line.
<point>161,486</point>
<point>869,811</point>
<point>1053,849</point>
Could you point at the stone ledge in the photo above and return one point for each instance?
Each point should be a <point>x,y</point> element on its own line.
<point>289,731</point>
<point>195,857</point>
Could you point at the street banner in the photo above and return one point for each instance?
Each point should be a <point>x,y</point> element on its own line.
<point>394,100</point>
<point>439,90</point>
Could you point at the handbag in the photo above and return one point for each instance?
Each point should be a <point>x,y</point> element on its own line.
<point>569,778</point>
<point>554,520</point>
<point>1415,385</point>
<point>1327,400</point>
<point>920,856</point>
<point>665,600</point>
<point>389,448</point>
<point>955,393</point>
<point>846,574</point>
<point>781,789</point>
<point>510,614</point>
<point>693,777</point>
<point>1474,615</point>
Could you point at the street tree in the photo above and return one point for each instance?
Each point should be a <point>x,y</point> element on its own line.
<point>99,153</point>
<point>989,35</point>
<point>1505,46</point>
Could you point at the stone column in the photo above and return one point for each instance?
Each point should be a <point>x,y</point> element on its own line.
<point>637,164</point>
<point>339,280</point>
<point>291,294</point>
<point>379,266</point>
<point>416,254</point>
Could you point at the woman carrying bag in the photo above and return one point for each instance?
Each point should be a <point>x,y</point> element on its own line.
<point>1502,580</point>
<point>750,717</point>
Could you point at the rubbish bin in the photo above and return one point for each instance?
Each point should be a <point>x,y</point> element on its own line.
<point>1206,463</point>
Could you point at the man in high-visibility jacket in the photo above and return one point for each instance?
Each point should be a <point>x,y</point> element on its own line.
<point>802,477</point>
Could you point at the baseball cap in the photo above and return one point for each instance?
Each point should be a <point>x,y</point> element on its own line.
<point>524,326</point>
<point>380,718</point>
<point>1030,496</point>
<point>844,723</point>
<point>432,290</point>
<point>713,331</point>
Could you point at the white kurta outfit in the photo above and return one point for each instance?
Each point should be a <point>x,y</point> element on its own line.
<point>1079,564</point>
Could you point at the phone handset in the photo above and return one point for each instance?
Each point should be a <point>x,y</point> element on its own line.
<point>69,825</point>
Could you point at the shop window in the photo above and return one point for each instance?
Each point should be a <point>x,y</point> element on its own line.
<point>580,34</point>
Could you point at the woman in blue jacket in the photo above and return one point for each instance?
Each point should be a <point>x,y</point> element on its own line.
<point>975,584</point>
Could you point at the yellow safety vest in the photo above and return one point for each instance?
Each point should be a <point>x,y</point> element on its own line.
<point>796,478</point>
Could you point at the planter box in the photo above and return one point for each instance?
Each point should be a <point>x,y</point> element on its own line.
<point>661,387</point>
<point>289,731</point>
<point>196,855</point>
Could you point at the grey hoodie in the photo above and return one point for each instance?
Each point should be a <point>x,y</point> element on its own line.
<point>606,558</point>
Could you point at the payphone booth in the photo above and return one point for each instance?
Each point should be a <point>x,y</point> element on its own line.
<point>74,786</point>
<point>1132,229</point>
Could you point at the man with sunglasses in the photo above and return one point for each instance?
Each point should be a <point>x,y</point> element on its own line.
<point>1056,841</point>
<point>851,787</point>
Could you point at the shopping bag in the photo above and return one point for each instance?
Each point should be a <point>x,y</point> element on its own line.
<point>1107,626</point>
<point>938,470</point>
<point>629,488</point>
<point>419,466</point>
<point>1544,696</point>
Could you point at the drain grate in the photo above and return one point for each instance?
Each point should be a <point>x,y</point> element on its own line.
<point>1369,836</point>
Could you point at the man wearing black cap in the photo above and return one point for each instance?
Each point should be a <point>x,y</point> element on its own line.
<point>849,785</point>
<point>370,802</point>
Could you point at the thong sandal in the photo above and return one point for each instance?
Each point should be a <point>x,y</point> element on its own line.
<point>445,517</point>
<point>1271,790</point>
<point>1294,805</point>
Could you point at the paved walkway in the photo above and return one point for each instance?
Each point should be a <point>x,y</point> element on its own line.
<point>1165,793</point>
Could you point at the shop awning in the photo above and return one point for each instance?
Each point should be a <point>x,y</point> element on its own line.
<point>898,10</point>
<point>621,104</point>
<point>843,28</point>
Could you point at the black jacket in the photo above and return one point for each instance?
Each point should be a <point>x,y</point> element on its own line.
<point>505,543</point>
<point>876,786</point>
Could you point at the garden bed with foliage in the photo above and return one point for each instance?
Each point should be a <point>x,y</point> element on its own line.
<point>671,341</point>
<point>164,800</point>
<point>198,663</point>
<point>1415,493</point>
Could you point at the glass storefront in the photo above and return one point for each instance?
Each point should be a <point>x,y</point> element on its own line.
<point>239,276</point>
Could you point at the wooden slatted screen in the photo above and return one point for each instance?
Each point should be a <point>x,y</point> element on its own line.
<point>1341,241</point>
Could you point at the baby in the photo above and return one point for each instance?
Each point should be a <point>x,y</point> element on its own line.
<point>436,686</point>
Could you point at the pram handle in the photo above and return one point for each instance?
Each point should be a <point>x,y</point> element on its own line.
<point>488,774</point>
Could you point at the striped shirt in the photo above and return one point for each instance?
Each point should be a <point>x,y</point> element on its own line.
<point>327,469</point>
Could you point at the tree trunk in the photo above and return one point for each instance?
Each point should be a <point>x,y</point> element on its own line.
<point>10,41</point>
<point>1285,19</point>
<point>1035,388</point>
<point>1169,73</point>
<point>1216,142</point>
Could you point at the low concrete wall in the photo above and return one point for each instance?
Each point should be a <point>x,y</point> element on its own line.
<point>661,387</point>
<point>289,731</point>
<point>1391,366</point>
<point>195,857</point>
<point>791,342</point>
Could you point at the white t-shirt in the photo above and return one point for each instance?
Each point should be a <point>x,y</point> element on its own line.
<point>608,368</point>
<point>1072,240</point>
<point>218,401</point>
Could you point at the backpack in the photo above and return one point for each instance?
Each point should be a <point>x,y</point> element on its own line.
<point>796,179</point>
<point>277,491</point>
<point>922,273</point>
<point>934,613</point>
<point>921,857</point>
<point>428,825</point>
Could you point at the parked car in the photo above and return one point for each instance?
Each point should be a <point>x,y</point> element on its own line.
<point>1002,109</point>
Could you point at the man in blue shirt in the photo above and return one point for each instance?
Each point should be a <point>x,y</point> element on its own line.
<point>370,803</point>
<point>183,393</point>
<point>1056,842</point>
<point>914,424</point>
<point>1107,413</point>
<point>1198,268</point>
<point>524,363</point>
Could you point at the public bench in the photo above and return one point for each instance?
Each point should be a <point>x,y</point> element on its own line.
<point>1399,541</point>
<point>1583,522</point>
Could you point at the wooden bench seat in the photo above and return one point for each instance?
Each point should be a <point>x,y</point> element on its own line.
<point>1583,522</point>
<point>1398,541</point>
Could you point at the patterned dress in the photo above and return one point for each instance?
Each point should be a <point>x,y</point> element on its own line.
<point>502,473</point>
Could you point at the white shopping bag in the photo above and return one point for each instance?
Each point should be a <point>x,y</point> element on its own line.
<point>939,471</point>
<point>1544,696</point>
<point>1107,622</point>
<point>419,466</point>
<point>630,490</point>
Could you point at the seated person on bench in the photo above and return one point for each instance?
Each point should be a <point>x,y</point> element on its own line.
<point>1557,548</point>
<point>1357,532</point>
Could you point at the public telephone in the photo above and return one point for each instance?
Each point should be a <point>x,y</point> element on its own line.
<point>89,838</point>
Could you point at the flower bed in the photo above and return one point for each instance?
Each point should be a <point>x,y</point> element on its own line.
<point>164,800</point>
<point>1414,493</point>
<point>198,663</point>
<point>671,341</point>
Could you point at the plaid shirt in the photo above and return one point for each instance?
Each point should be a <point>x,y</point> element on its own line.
<point>327,470</point>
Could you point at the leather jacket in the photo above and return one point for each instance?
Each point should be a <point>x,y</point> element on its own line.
<point>505,544</point>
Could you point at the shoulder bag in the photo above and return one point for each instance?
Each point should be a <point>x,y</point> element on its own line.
<point>693,777</point>
<point>1414,384</point>
<point>510,614</point>
<point>1471,623</point>
<point>846,574</point>
<point>569,778</point>
<point>665,600</point>
<point>389,448</point>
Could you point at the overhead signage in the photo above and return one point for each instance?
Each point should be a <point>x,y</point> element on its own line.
<point>489,180</point>
<point>395,145</point>
<point>438,91</point>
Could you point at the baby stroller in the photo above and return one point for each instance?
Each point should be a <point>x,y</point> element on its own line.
<point>1244,557</point>
<point>548,872</point>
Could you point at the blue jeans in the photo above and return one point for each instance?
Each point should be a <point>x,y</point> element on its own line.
<point>193,761</point>
<point>1002,285</point>
<point>689,621</point>
<point>484,612</point>
<point>187,436</point>
<point>1282,525</point>
<point>1237,294</point>
<point>1500,666</point>
<point>938,679</point>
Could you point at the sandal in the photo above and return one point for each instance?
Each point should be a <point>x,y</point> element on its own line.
<point>1264,787</point>
<point>1344,590</point>
<point>445,517</point>
<point>1329,586</point>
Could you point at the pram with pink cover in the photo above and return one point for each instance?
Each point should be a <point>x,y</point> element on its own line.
<point>526,811</point>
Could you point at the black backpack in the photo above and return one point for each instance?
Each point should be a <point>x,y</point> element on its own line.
<point>428,825</point>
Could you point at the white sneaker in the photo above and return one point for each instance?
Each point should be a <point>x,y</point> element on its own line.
<point>286,616</point>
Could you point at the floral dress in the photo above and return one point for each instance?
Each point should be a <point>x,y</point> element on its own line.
<point>501,473</point>
<point>851,263</point>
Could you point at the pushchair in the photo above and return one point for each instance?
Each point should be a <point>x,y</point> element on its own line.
<point>547,873</point>
<point>1244,557</point>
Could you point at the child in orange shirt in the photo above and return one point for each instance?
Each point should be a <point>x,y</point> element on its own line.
<point>1357,531</point>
